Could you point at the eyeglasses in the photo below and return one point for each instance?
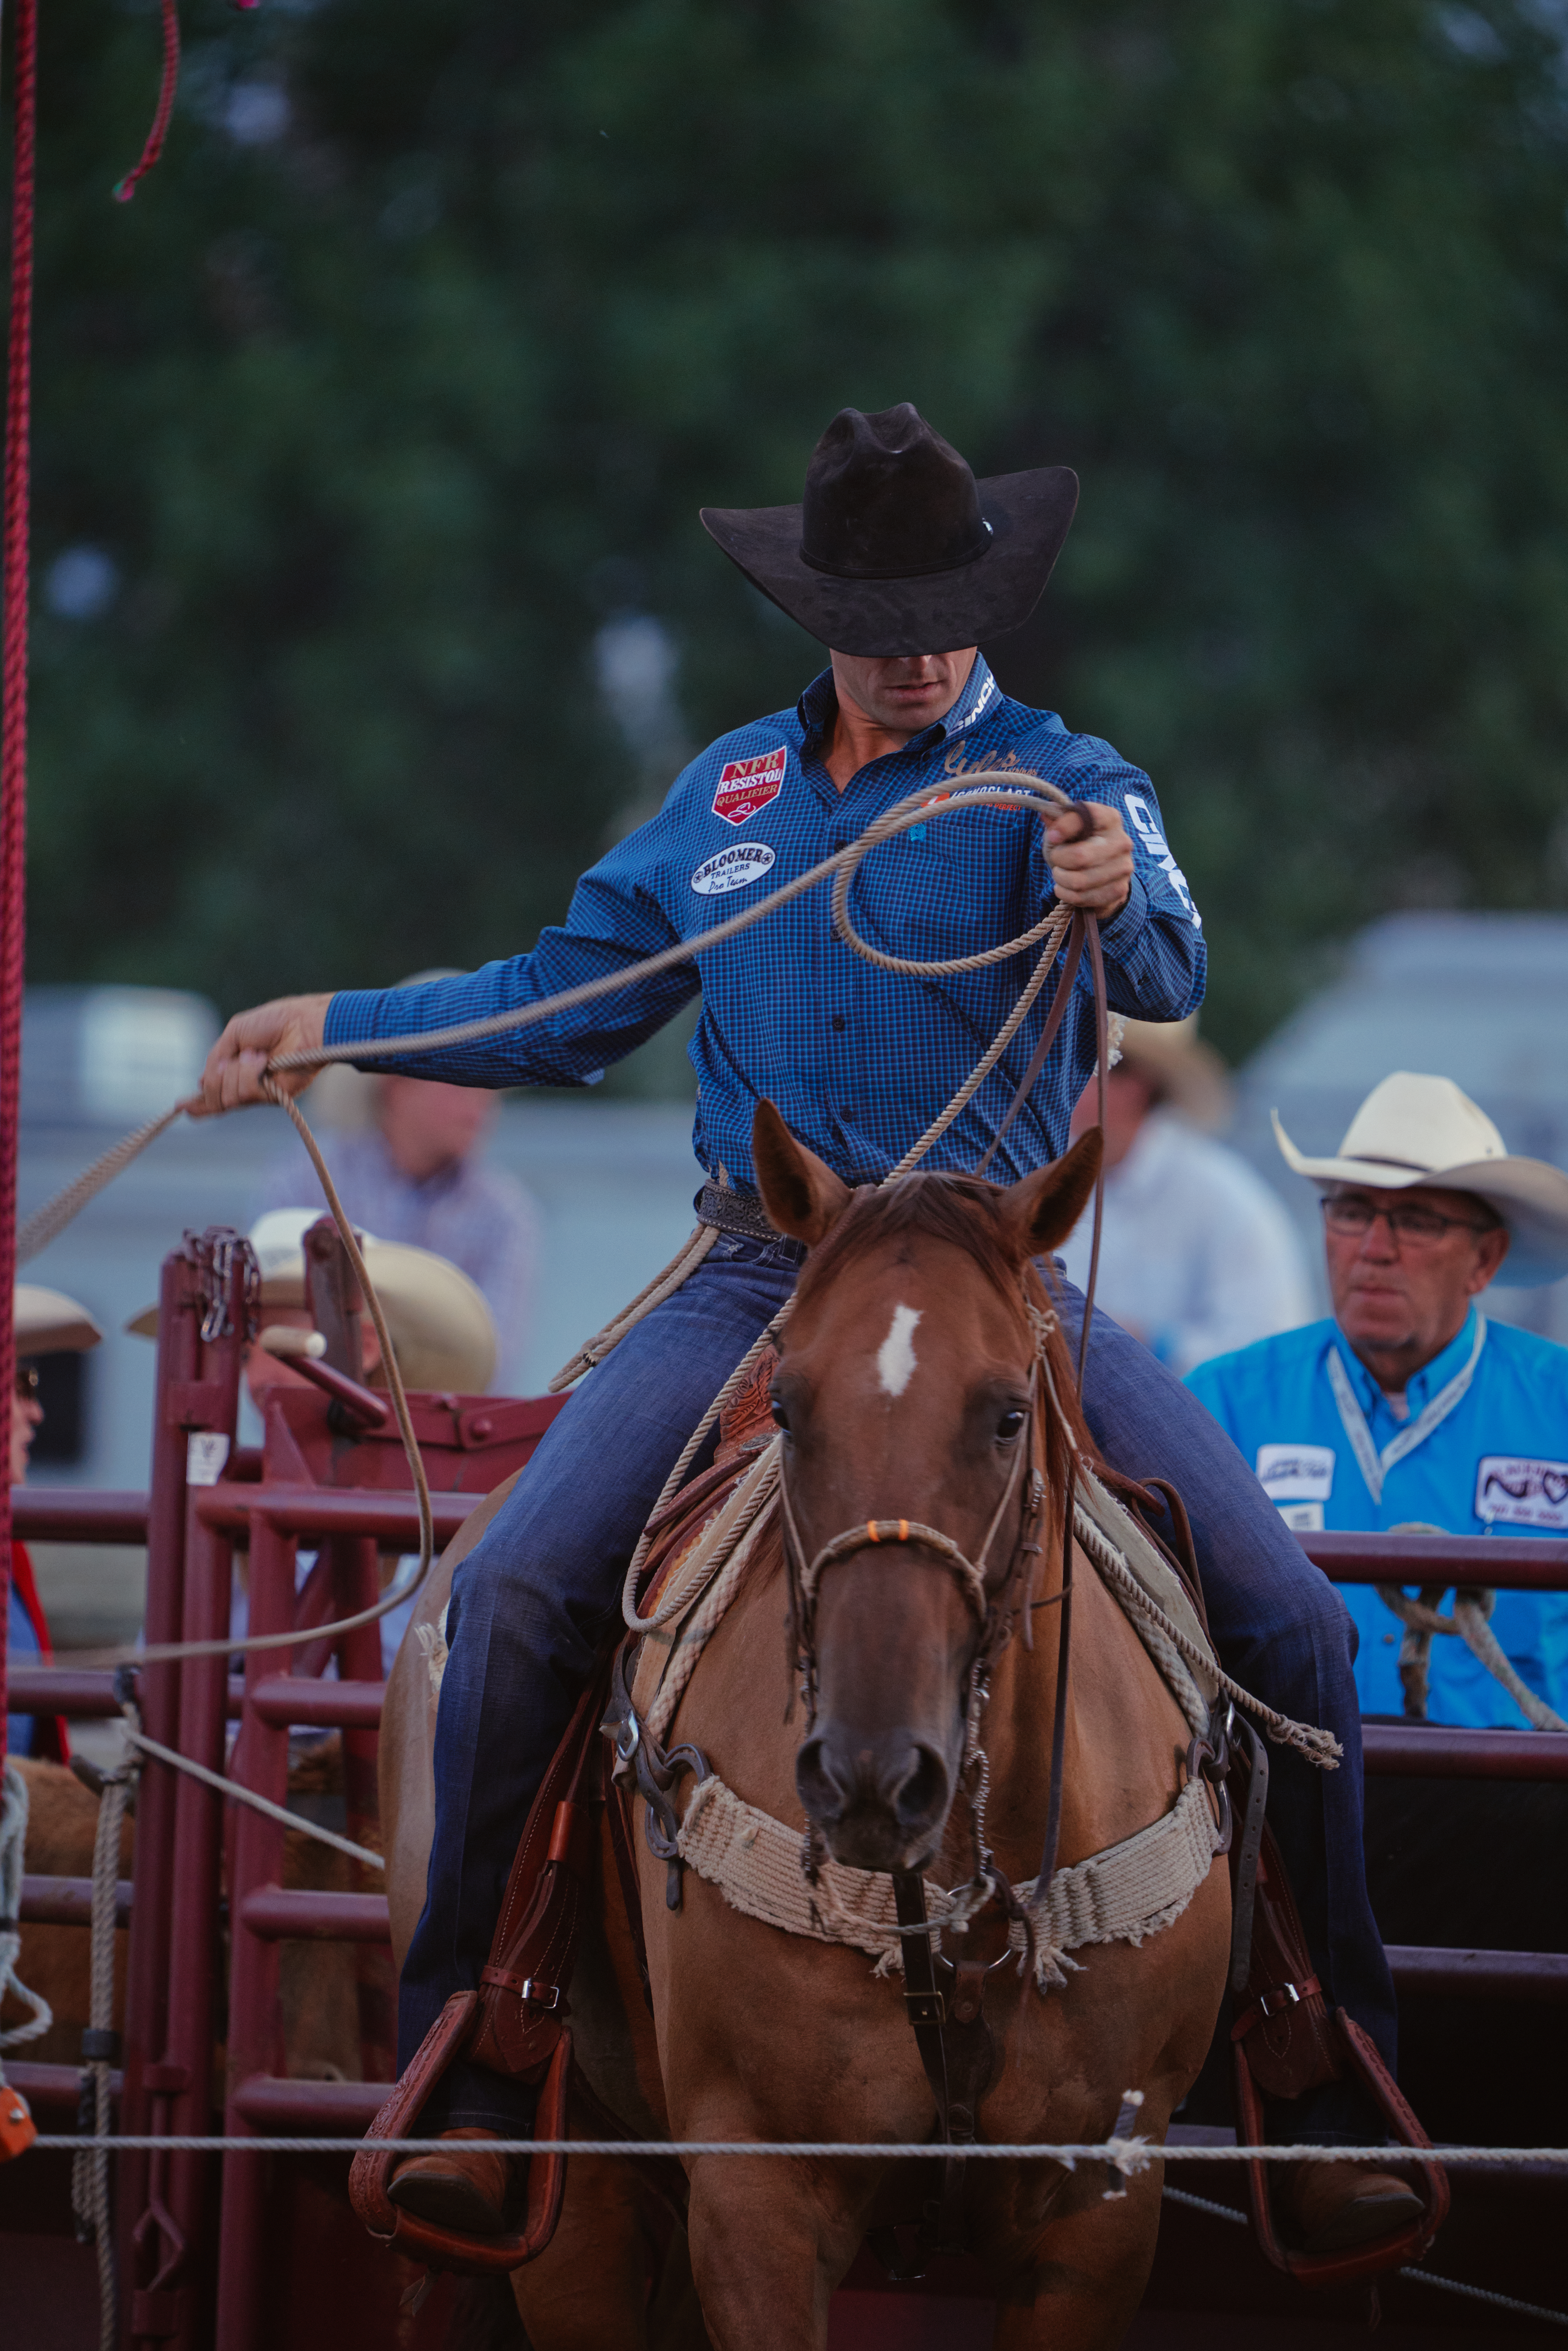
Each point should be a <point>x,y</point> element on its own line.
<point>1352,1217</point>
<point>27,1383</point>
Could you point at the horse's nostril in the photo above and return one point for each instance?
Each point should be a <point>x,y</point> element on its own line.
<point>923,1796</point>
<point>818,1786</point>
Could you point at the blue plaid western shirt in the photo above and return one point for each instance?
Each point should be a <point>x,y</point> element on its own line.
<point>858,1059</point>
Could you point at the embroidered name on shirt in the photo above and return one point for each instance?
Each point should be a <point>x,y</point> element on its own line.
<point>732,869</point>
<point>1153,840</point>
<point>1519,1493</point>
<point>1296,1473</point>
<point>746,785</point>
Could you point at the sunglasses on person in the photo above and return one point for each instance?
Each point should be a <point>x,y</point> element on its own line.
<point>27,1383</point>
<point>1351,1216</point>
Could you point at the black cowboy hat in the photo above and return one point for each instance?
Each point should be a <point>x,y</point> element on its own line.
<point>895,548</point>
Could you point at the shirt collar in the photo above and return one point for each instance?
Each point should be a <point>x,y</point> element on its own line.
<point>981,695</point>
<point>1428,1382</point>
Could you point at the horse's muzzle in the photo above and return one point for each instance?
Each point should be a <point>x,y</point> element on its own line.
<point>881,1800</point>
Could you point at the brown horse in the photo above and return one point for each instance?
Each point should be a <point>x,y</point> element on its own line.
<point>906,1388</point>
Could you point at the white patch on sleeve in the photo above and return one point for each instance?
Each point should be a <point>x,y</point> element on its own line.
<point>895,1356</point>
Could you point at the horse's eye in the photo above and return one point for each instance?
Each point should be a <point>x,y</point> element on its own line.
<point>1009,1424</point>
<point>781,1416</point>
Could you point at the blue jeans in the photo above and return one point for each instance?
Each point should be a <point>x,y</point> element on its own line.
<point>537,1598</point>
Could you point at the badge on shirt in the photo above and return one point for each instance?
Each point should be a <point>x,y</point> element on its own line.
<point>745,786</point>
<point>1296,1473</point>
<point>732,869</point>
<point>1519,1493</point>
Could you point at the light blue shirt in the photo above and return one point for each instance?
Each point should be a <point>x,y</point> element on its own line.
<point>1482,1450</point>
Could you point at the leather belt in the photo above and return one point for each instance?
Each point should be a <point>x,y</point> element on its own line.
<point>743,1212</point>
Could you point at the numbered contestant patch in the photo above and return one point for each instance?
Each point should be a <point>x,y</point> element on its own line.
<point>746,785</point>
<point>1515,1493</point>
<point>732,869</point>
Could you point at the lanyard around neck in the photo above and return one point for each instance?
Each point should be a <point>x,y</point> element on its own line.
<point>1375,1466</point>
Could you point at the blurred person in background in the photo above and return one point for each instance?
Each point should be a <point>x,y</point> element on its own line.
<point>48,1323</point>
<point>1196,1256</point>
<point>407,1156</point>
<point>1408,1411</point>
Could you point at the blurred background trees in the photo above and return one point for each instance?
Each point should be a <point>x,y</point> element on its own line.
<point>370,597</point>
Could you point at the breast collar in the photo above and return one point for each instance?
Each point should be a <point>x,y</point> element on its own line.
<point>1375,1466</point>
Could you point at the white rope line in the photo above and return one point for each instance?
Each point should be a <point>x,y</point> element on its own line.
<point>1128,2154</point>
<point>14,1800</point>
<point>257,1803</point>
<point>1414,2277</point>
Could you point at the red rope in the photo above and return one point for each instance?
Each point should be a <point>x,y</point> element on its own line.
<point>14,741</point>
<point>125,189</point>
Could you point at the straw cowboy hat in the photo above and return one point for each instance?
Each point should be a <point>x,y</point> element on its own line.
<point>441,1329</point>
<point>1418,1130</point>
<point>895,547</point>
<point>50,1323</point>
<point>1189,1075</point>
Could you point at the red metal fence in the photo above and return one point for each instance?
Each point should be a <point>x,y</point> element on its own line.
<point>193,2236</point>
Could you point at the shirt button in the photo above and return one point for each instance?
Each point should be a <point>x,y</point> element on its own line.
<point>840,1022</point>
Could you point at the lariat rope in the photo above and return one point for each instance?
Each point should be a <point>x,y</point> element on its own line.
<point>1422,1619</point>
<point>990,788</point>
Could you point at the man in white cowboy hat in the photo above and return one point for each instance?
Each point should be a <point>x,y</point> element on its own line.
<point>48,1323</point>
<point>1196,1254</point>
<point>1410,1407</point>
<point>900,562</point>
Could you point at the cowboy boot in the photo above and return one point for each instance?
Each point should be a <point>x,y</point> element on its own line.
<point>465,2188</point>
<point>1331,2206</point>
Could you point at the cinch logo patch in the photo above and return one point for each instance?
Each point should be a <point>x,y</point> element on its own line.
<point>986,691</point>
<point>732,869</point>
<point>746,785</point>
<point>1519,1493</point>
<point>1296,1473</point>
<point>1153,840</point>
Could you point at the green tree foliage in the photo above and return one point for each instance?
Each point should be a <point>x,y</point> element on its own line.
<point>414,358</point>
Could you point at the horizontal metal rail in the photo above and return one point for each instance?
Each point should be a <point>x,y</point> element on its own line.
<point>55,2089</point>
<point>1478,1975</point>
<point>390,1517</point>
<point>78,1514</point>
<point>299,1697</point>
<point>1435,1751</point>
<point>300,1913</point>
<point>68,1901</point>
<point>1508,1562</point>
<point>303,1698</point>
<point>269,2103</point>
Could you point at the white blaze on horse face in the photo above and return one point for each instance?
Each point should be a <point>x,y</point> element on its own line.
<point>895,1356</point>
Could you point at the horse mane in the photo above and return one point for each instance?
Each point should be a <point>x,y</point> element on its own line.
<point>965,1212</point>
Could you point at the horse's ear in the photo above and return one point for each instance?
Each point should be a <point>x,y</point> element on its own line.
<point>802,1197</point>
<point>1046,1206</point>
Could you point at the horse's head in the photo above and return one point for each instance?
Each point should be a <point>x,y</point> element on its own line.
<point>906,1391</point>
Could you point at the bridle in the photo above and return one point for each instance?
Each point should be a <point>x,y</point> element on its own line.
<point>996,1616</point>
